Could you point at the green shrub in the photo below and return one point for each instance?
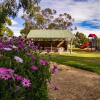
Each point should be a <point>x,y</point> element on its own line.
<point>23,74</point>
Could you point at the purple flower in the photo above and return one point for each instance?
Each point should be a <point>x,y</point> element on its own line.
<point>21,43</point>
<point>43,62</point>
<point>6,70</point>
<point>1,45</point>
<point>32,57</point>
<point>34,68</point>
<point>18,59</point>
<point>18,77</point>
<point>53,86</point>
<point>5,76</point>
<point>54,69</point>
<point>6,73</point>
<point>47,50</point>
<point>56,88</point>
<point>26,82</point>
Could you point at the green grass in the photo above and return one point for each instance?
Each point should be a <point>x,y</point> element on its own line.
<point>83,60</point>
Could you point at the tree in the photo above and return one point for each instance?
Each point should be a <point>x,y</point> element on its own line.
<point>63,21</point>
<point>80,39</point>
<point>26,29</point>
<point>38,21</point>
<point>5,27</point>
<point>9,32</point>
<point>46,19</point>
<point>11,8</point>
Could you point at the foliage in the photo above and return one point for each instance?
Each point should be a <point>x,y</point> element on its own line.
<point>46,19</point>
<point>9,31</point>
<point>11,8</point>
<point>26,29</point>
<point>80,38</point>
<point>23,73</point>
<point>6,29</point>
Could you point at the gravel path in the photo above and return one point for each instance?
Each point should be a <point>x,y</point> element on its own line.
<point>75,84</point>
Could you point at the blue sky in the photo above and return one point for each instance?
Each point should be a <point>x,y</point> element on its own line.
<point>85,12</point>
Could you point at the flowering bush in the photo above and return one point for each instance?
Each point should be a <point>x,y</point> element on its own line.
<point>23,73</point>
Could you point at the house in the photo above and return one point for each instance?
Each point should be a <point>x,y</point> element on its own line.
<point>52,39</point>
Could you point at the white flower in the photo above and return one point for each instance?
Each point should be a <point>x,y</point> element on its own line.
<point>14,47</point>
<point>7,49</point>
<point>18,59</point>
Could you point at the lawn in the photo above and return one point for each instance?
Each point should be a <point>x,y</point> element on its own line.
<point>84,60</point>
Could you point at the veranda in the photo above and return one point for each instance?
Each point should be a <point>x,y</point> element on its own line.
<point>52,39</point>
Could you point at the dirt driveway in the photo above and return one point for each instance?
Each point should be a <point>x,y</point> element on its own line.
<point>75,84</point>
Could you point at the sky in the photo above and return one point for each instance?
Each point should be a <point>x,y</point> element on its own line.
<point>85,12</point>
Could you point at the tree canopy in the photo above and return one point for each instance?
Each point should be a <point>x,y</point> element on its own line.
<point>10,8</point>
<point>5,27</point>
<point>80,39</point>
<point>47,19</point>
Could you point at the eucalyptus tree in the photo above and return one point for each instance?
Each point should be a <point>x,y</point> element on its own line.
<point>5,28</point>
<point>40,20</point>
<point>49,19</point>
<point>62,21</point>
<point>11,7</point>
<point>26,29</point>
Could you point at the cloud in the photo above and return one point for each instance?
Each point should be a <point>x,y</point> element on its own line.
<point>1,1</point>
<point>85,12</point>
<point>17,25</point>
<point>96,22</point>
<point>79,10</point>
<point>14,22</point>
<point>80,0</point>
<point>16,30</point>
<point>90,24</point>
<point>87,31</point>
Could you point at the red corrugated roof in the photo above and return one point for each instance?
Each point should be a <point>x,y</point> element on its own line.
<point>92,35</point>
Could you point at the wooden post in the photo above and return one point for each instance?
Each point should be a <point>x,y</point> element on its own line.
<point>66,46</point>
<point>51,46</point>
<point>71,46</point>
<point>96,44</point>
<point>91,44</point>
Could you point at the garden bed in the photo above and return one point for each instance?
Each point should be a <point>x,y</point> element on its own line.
<point>23,73</point>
